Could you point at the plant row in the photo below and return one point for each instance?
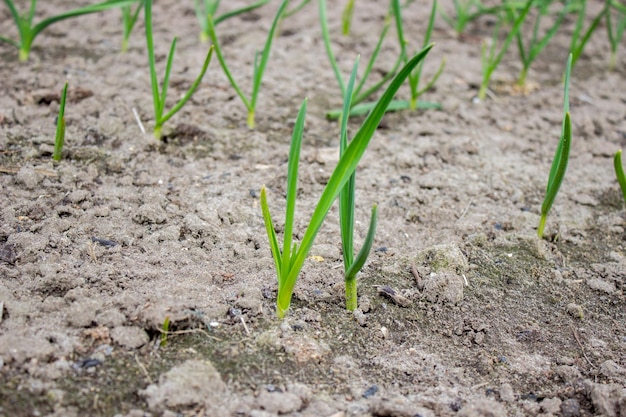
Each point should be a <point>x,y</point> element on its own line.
<point>358,99</point>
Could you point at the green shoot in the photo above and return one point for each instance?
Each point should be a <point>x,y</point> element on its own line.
<point>415,76</point>
<point>619,172</point>
<point>346,17</point>
<point>358,94</point>
<point>204,8</point>
<point>296,8</point>
<point>28,32</point>
<point>396,105</point>
<point>615,30</point>
<point>346,211</point>
<point>561,157</point>
<point>129,18</point>
<point>290,260</point>
<point>536,44</point>
<point>159,97</point>
<point>164,331</point>
<point>466,11</point>
<point>491,59</point>
<point>580,39</point>
<point>59,139</point>
<point>258,66</point>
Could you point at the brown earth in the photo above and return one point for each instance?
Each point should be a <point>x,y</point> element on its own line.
<point>96,251</point>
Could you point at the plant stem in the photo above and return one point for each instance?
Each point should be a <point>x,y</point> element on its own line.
<point>351,294</point>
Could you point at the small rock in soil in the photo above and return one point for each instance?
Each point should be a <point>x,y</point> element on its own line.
<point>483,408</point>
<point>130,337</point>
<point>611,369</point>
<point>551,405</point>
<point>279,402</point>
<point>443,287</point>
<point>394,295</point>
<point>601,285</point>
<point>606,399</point>
<point>506,393</point>
<point>575,310</point>
<point>190,384</point>
<point>570,408</point>
<point>444,258</point>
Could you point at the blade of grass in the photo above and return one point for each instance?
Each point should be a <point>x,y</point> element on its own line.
<point>619,172</point>
<point>346,17</point>
<point>615,32</point>
<point>59,139</point>
<point>561,157</point>
<point>396,105</point>
<point>578,43</point>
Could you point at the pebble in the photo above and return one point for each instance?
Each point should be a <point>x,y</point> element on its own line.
<point>575,310</point>
<point>570,408</point>
<point>279,402</point>
<point>506,393</point>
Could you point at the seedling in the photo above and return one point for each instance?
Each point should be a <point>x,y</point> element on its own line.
<point>164,331</point>
<point>561,157</point>
<point>159,97</point>
<point>346,17</point>
<point>258,66</point>
<point>466,11</point>
<point>491,59</point>
<point>290,259</point>
<point>59,139</point>
<point>528,53</point>
<point>415,76</point>
<point>615,30</point>
<point>358,94</point>
<point>619,172</point>
<point>580,38</point>
<point>129,18</point>
<point>352,265</point>
<point>204,8</point>
<point>28,32</point>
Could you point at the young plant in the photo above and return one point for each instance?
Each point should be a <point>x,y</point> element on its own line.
<point>59,139</point>
<point>528,53</point>
<point>415,76</point>
<point>466,11</point>
<point>258,66</point>
<point>159,97</point>
<point>352,265</point>
<point>129,18</point>
<point>290,259</point>
<point>164,331</point>
<point>491,59</point>
<point>561,157</point>
<point>28,32</point>
<point>346,17</point>
<point>615,30</point>
<point>580,39</point>
<point>204,8</point>
<point>358,94</point>
<point>619,172</point>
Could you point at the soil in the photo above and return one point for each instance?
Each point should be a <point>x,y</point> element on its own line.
<point>463,310</point>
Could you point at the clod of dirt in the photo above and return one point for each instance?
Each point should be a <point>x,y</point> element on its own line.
<point>130,337</point>
<point>190,384</point>
<point>601,285</point>
<point>447,257</point>
<point>279,402</point>
<point>443,287</point>
<point>608,400</point>
<point>398,406</point>
<point>483,408</point>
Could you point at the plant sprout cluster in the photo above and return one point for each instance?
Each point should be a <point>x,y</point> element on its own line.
<point>517,22</point>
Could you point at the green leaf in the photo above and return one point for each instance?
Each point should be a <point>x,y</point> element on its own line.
<point>619,172</point>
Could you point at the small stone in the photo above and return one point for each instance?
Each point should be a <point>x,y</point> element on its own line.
<point>150,214</point>
<point>130,337</point>
<point>570,408</point>
<point>551,405</point>
<point>78,196</point>
<point>601,285</point>
<point>365,305</point>
<point>360,317</point>
<point>506,393</point>
<point>575,310</point>
<point>482,408</point>
<point>193,383</point>
<point>611,369</point>
<point>443,287</point>
<point>279,402</point>
<point>568,373</point>
<point>28,177</point>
